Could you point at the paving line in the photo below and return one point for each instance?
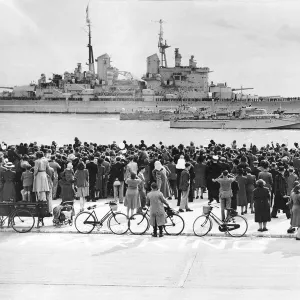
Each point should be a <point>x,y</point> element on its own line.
<point>186,271</point>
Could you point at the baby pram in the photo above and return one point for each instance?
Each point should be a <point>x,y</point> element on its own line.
<point>63,213</point>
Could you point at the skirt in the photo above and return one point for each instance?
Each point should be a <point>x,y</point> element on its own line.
<point>132,199</point>
<point>82,191</point>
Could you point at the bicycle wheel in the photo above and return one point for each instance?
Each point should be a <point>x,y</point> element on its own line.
<point>202,225</point>
<point>237,226</point>
<point>138,224</point>
<point>85,222</point>
<point>118,223</point>
<point>175,225</point>
<point>22,220</point>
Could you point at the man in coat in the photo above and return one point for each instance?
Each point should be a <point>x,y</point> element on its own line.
<point>117,172</point>
<point>213,171</point>
<point>184,186</point>
<point>93,170</point>
<point>280,192</point>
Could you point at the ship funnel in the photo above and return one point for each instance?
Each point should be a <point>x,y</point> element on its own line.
<point>177,58</point>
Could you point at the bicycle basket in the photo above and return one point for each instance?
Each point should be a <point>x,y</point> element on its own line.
<point>113,206</point>
<point>170,212</point>
<point>207,209</point>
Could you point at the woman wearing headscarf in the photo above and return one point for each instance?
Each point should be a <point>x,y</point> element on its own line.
<point>180,166</point>
<point>160,174</point>
<point>261,197</point>
<point>40,182</point>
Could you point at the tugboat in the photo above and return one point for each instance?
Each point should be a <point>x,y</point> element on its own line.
<point>243,118</point>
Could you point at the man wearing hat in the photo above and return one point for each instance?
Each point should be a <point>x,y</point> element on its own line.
<point>213,172</point>
<point>280,191</point>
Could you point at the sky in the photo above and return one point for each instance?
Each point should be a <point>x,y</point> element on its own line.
<point>249,43</point>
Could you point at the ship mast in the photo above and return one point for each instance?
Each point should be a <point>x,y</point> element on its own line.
<point>162,46</point>
<point>91,55</point>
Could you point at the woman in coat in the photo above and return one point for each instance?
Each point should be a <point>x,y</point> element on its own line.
<point>141,187</point>
<point>156,201</point>
<point>241,194</point>
<point>40,182</point>
<point>200,180</point>
<point>8,180</point>
<point>261,197</point>
<point>2,170</point>
<point>82,183</point>
<point>295,198</point>
<point>132,200</point>
<point>250,186</point>
<point>160,174</point>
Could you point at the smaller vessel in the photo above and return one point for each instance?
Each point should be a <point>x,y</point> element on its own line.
<point>243,118</point>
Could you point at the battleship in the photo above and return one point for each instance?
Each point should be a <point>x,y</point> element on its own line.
<point>243,118</point>
<point>103,88</point>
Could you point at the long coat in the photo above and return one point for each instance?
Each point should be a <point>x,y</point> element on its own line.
<point>162,181</point>
<point>200,170</point>
<point>241,194</point>
<point>213,171</point>
<point>9,189</point>
<point>261,197</point>
<point>156,201</point>
<point>250,186</point>
<point>295,221</point>
<point>2,170</point>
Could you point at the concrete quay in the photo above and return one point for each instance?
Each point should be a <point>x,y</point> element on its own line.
<point>277,227</point>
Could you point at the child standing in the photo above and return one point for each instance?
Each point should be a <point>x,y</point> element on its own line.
<point>27,181</point>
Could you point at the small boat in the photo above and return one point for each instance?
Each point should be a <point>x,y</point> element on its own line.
<point>243,118</point>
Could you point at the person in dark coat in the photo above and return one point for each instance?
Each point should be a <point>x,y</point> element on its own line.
<point>213,171</point>
<point>261,197</point>
<point>280,192</point>
<point>93,170</point>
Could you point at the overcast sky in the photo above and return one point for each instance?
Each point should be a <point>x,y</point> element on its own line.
<point>250,43</point>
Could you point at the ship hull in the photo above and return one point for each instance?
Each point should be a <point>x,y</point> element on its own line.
<point>115,106</point>
<point>238,124</point>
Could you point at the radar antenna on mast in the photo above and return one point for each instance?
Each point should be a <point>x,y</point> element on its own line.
<point>162,46</point>
<point>91,54</point>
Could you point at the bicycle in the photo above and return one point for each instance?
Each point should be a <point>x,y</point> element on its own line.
<point>139,222</point>
<point>117,222</point>
<point>235,225</point>
<point>21,219</point>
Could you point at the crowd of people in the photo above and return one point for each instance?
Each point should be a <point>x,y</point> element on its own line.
<point>262,181</point>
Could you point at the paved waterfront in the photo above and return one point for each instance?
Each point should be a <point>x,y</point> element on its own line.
<point>73,266</point>
<point>277,227</point>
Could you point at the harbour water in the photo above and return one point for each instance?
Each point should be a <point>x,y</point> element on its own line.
<point>104,129</point>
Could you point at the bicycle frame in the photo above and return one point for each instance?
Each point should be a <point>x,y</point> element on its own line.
<point>216,219</point>
<point>97,222</point>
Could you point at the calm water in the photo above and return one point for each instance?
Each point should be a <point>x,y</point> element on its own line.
<point>103,129</point>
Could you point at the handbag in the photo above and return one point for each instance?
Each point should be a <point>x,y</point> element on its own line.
<point>117,183</point>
